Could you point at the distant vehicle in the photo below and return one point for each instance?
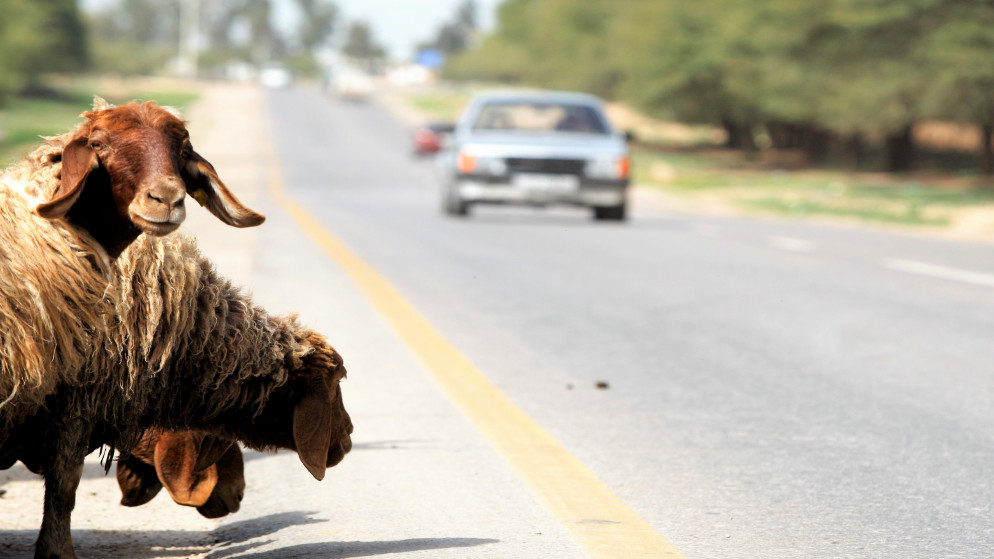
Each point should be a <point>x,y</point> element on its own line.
<point>275,77</point>
<point>536,148</point>
<point>351,84</point>
<point>430,138</point>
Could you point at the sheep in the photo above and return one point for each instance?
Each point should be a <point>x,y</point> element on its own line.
<point>196,355</point>
<point>66,210</point>
<point>173,459</point>
<point>123,171</point>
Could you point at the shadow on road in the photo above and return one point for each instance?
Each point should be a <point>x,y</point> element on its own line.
<point>131,544</point>
<point>244,530</point>
<point>342,550</point>
<point>231,541</point>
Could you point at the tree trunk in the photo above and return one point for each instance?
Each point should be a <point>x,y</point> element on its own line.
<point>739,135</point>
<point>987,149</point>
<point>856,149</point>
<point>748,140</point>
<point>778,134</point>
<point>815,142</point>
<point>785,135</point>
<point>900,150</point>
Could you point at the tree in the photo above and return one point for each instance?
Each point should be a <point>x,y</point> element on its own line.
<point>456,36</point>
<point>135,36</point>
<point>266,43</point>
<point>317,24</point>
<point>37,38</point>
<point>961,68</point>
<point>466,15</point>
<point>360,44</point>
<point>682,63</point>
<point>551,43</point>
<point>504,56</point>
<point>818,76</point>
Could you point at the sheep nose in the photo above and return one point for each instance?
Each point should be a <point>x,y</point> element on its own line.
<point>169,197</point>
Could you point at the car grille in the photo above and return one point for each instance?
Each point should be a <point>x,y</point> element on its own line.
<point>551,166</point>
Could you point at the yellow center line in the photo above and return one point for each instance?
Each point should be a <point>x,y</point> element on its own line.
<point>603,525</point>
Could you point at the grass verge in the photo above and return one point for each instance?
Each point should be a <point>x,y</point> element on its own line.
<point>926,200</point>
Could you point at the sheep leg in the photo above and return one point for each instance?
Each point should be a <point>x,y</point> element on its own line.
<point>61,480</point>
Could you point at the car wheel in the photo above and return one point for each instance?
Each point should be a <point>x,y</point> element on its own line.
<point>454,205</point>
<point>610,213</point>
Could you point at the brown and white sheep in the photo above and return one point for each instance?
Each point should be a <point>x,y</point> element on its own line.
<point>124,170</point>
<point>196,355</point>
<point>74,374</point>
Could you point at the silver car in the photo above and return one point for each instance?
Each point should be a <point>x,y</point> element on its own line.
<point>536,148</point>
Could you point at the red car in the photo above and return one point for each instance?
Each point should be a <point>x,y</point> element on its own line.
<point>429,139</point>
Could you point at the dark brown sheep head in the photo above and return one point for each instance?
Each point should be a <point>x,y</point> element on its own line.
<point>128,169</point>
<point>322,428</point>
<point>306,415</point>
<point>197,470</point>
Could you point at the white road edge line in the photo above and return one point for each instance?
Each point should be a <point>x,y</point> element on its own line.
<point>792,244</point>
<point>942,272</point>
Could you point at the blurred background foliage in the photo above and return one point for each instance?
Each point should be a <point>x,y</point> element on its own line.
<point>842,82</point>
<point>835,78</point>
<point>38,38</point>
<point>143,37</point>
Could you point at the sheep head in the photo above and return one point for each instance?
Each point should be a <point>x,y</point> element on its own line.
<point>197,470</point>
<point>306,414</point>
<point>128,169</point>
<point>322,428</point>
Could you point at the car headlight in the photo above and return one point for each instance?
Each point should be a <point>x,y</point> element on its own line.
<point>608,168</point>
<point>470,164</point>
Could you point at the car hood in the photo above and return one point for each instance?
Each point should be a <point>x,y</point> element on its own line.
<point>560,146</point>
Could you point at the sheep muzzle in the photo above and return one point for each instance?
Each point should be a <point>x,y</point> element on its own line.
<point>159,207</point>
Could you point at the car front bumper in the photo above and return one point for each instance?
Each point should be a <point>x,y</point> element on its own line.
<point>582,193</point>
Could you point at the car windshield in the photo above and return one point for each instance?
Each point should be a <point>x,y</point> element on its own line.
<point>540,117</point>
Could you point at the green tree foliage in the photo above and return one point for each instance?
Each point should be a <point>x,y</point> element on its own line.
<point>135,36</point>
<point>457,35</point>
<point>38,37</point>
<point>317,24</point>
<point>529,48</point>
<point>959,51</point>
<point>504,56</point>
<point>677,60</point>
<point>819,76</point>
<point>361,46</point>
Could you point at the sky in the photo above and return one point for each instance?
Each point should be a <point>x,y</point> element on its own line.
<point>398,25</point>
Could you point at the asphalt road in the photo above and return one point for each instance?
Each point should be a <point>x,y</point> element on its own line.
<point>776,389</point>
<point>768,389</point>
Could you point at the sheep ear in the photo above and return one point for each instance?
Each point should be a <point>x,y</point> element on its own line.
<point>204,185</point>
<point>78,161</point>
<point>211,450</point>
<point>312,425</point>
<point>137,480</point>
<point>175,457</point>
